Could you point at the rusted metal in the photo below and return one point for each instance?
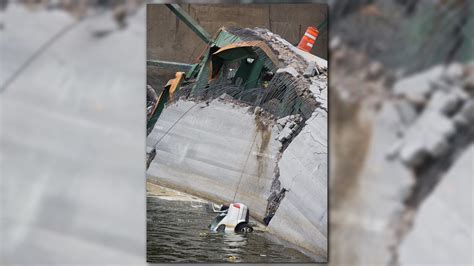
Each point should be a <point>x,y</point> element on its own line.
<point>175,84</point>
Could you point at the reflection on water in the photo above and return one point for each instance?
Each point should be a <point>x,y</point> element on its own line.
<point>177,232</point>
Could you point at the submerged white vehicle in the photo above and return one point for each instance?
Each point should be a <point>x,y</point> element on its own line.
<point>235,218</point>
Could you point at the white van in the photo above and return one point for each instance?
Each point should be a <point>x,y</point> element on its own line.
<point>235,218</point>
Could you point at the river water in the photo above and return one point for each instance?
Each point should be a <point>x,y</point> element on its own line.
<point>177,232</point>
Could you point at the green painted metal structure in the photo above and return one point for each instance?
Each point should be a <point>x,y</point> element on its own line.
<point>251,61</point>
<point>250,66</point>
<point>161,105</point>
<point>224,38</point>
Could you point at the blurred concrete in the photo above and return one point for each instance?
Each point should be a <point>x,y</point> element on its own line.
<point>72,143</point>
<point>400,151</point>
<point>442,232</point>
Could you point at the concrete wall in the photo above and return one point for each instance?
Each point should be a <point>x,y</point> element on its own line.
<point>214,151</point>
<point>170,39</point>
<point>221,150</point>
<point>302,215</point>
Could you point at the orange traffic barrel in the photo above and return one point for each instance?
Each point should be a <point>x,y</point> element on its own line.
<point>309,38</point>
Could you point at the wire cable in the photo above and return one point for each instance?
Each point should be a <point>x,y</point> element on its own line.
<point>172,126</point>
<point>245,166</point>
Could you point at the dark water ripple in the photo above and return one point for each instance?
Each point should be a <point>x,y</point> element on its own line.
<point>177,232</point>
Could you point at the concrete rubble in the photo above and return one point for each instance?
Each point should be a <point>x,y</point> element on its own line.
<point>290,70</point>
<point>446,108</point>
<point>302,215</point>
<point>311,70</point>
<point>287,126</point>
<point>417,88</point>
<point>405,187</point>
<point>227,150</point>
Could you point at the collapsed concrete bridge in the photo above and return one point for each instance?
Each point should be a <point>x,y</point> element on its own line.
<point>264,145</point>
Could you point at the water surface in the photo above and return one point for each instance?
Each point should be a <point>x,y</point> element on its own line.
<point>177,232</point>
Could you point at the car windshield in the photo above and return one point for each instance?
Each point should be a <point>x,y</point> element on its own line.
<point>217,220</point>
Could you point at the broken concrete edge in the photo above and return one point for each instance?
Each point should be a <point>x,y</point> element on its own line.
<point>280,46</point>
<point>409,111</point>
<point>285,195</point>
<point>400,223</point>
<point>299,64</point>
<point>290,125</point>
<point>265,34</point>
<point>288,128</point>
<point>434,137</point>
<point>418,88</point>
<point>442,232</point>
<point>428,175</point>
<point>276,193</point>
<point>304,88</point>
<point>431,126</point>
<point>287,131</point>
<point>296,63</point>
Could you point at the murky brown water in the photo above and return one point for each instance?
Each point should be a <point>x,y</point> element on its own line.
<point>177,232</point>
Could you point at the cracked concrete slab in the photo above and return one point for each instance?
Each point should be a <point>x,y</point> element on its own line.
<point>303,172</point>
<point>216,151</point>
<point>442,232</point>
<point>401,172</point>
<point>368,209</point>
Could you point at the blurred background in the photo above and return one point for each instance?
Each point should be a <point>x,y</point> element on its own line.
<point>401,132</point>
<point>72,108</point>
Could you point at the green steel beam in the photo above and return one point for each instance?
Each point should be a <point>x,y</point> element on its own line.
<point>322,25</point>
<point>163,99</point>
<point>170,65</point>
<point>225,38</point>
<point>190,22</point>
<point>202,78</point>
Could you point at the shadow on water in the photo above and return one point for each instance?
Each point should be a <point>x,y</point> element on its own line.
<point>177,232</point>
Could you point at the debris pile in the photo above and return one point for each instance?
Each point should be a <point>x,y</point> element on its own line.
<point>287,126</point>
<point>399,163</point>
<point>437,131</point>
<point>278,45</point>
<point>435,106</point>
